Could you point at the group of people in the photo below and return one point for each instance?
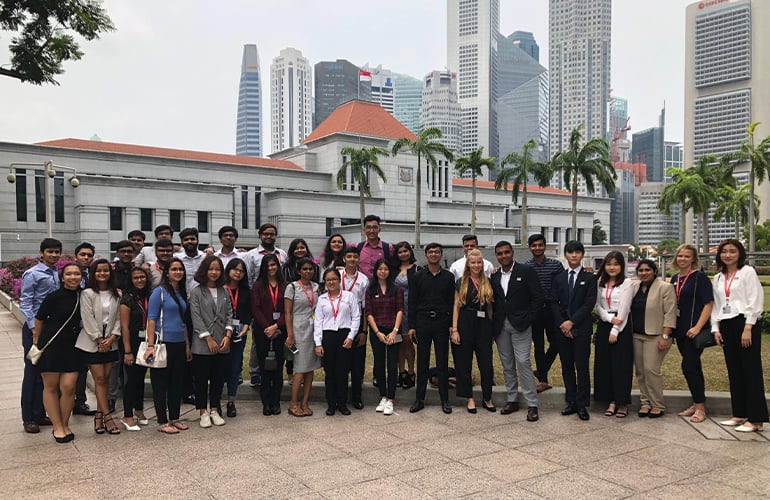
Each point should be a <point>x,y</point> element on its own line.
<point>305,313</point>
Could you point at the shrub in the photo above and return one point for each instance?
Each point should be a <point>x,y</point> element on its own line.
<point>10,275</point>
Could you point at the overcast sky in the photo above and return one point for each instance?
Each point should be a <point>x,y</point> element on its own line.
<point>169,75</point>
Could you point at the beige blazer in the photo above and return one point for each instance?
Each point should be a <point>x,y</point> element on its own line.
<point>91,315</point>
<point>661,307</point>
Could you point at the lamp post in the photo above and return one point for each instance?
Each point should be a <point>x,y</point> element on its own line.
<point>49,171</point>
<point>1,244</point>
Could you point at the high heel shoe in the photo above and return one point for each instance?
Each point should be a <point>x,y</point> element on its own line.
<point>99,423</point>
<point>471,410</point>
<point>130,427</point>
<point>490,408</point>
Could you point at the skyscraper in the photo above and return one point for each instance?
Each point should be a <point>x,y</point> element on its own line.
<point>290,99</point>
<point>383,91</point>
<point>440,108</point>
<point>525,40</point>
<point>408,99</point>
<point>727,84</point>
<point>337,82</point>
<point>248,136</point>
<point>649,147</point>
<point>579,67</point>
<point>472,39</point>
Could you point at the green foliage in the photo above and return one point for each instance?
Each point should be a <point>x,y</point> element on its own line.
<point>762,232</point>
<point>43,35</point>
<point>598,235</point>
<point>668,246</point>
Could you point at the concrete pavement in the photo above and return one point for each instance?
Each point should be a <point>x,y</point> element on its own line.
<point>367,455</point>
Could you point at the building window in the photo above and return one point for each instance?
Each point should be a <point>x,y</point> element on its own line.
<point>329,225</point>
<point>39,196</point>
<point>58,198</point>
<point>555,238</point>
<point>116,218</point>
<point>175,220</point>
<point>569,234</point>
<point>580,234</point>
<point>21,195</point>
<point>203,221</point>
<point>257,206</point>
<point>244,207</point>
<point>146,222</point>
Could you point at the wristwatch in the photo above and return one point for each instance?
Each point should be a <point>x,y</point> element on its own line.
<point>666,337</point>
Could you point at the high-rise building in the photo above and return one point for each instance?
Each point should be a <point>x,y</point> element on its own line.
<point>383,89</point>
<point>727,85</point>
<point>649,147</point>
<point>623,209</point>
<point>579,70</point>
<point>522,104</point>
<point>440,108</point>
<point>525,40</point>
<point>337,82</point>
<point>472,40</point>
<point>408,99</point>
<point>674,158</point>
<point>248,135</point>
<point>290,99</point>
<point>653,226</point>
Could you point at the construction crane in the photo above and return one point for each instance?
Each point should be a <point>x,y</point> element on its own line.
<point>614,156</point>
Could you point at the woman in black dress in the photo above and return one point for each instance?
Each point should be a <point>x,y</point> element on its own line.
<point>133,323</point>
<point>59,363</point>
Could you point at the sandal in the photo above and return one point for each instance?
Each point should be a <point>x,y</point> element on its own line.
<point>306,411</point>
<point>610,411</point>
<point>99,423</point>
<point>110,425</point>
<point>622,412</point>
<point>689,412</point>
<point>168,429</point>
<point>644,411</point>
<point>698,416</point>
<point>296,411</point>
<point>180,425</point>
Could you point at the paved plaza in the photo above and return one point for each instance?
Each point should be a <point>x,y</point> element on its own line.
<point>368,455</point>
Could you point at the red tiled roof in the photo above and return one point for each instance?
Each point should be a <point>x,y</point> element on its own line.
<point>181,154</point>
<point>361,117</point>
<point>531,188</point>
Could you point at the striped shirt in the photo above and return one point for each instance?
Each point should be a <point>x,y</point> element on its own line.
<point>545,272</point>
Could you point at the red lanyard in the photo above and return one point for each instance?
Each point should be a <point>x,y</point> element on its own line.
<point>233,299</point>
<point>679,285</point>
<point>335,312</point>
<point>309,296</point>
<point>273,296</point>
<point>351,285</point>
<point>729,284</point>
<point>475,284</point>
<point>608,295</point>
<point>143,309</point>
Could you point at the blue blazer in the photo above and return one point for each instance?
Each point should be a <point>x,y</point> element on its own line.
<point>577,308</point>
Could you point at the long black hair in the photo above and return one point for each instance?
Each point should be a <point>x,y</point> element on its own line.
<point>374,284</point>
<point>112,282</point>
<point>181,292</point>
<point>139,293</point>
<point>328,255</point>
<point>262,282</point>
<point>617,257</point>
<point>244,283</point>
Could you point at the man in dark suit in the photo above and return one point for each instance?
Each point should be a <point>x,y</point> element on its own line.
<point>518,298</point>
<point>573,296</point>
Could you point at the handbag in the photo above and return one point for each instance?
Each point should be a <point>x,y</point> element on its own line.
<point>34,353</point>
<point>160,360</point>
<point>705,337</point>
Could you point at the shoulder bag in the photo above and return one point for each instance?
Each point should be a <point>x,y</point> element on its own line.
<point>705,337</point>
<point>160,360</point>
<point>34,353</point>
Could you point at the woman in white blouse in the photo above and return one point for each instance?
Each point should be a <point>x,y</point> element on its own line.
<point>337,317</point>
<point>738,304</point>
<point>614,347</point>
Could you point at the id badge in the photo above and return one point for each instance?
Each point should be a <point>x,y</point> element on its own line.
<point>678,312</point>
<point>726,309</point>
<point>142,334</point>
<point>481,314</point>
<point>236,324</point>
<point>236,338</point>
<point>276,315</point>
<point>334,327</point>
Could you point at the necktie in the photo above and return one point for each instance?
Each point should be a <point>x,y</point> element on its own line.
<point>571,282</point>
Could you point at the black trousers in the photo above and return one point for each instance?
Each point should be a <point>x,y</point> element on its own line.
<point>613,365</point>
<point>167,383</point>
<point>385,358</point>
<point>357,368</point>
<point>209,372</point>
<point>543,326</point>
<point>436,331</point>
<point>336,363</point>
<point>133,390</point>
<point>475,337</point>
<point>80,386</point>
<point>692,369</point>
<point>744,369</point>
<point>272,381</point>
<point>574,354</point>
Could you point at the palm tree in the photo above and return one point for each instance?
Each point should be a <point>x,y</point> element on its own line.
<point>733,204</point>
<point>687,189</point>
<point>715,173</point>
<point>522,167</point>
<point>590,162</point>
<point>474,163</point>
<point>426,146</point>
<point>758,155</point>
<point>361,162</point>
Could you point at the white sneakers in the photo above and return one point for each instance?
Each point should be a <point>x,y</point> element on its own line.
<point>213,417</point>
<point>216,418</point>
<point>381,405</point>
<point>388,410</point>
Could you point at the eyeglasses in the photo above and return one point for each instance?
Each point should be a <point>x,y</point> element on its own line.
<point>268,235</point>
<point>433,252</point>
<point>332,280</point>
<point>125,251</point>
<point>176,270</point>
<point>164,250</point>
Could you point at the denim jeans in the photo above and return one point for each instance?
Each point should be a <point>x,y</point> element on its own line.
<point>31,385</point>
